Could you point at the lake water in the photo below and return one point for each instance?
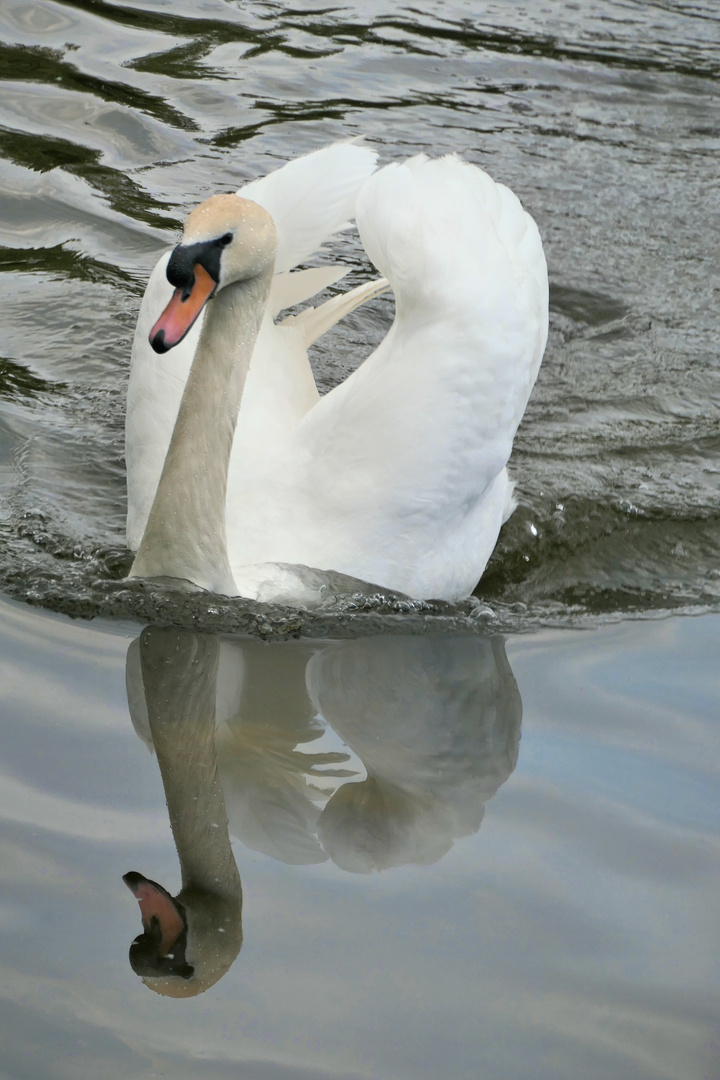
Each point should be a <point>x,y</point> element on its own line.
<point>424,892</point>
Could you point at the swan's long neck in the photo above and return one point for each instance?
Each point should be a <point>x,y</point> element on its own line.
<point>185,535</point>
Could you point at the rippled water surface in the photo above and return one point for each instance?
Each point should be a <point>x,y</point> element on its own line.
<point>447,853</point>
<point>115,119</point>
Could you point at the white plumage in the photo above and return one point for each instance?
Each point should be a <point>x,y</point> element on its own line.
<point>398,475</point>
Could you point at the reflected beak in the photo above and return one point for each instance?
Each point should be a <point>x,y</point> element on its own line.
<point>182,311</point>
<point>161,916</point>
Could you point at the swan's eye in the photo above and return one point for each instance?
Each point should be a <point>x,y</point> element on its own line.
<point>226,239</point>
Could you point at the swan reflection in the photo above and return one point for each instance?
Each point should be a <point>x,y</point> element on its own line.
<point>189,942</point>
<point>374,752</point>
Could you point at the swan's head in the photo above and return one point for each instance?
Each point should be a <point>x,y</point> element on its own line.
<point>226,239</point>
<point>188,942</point>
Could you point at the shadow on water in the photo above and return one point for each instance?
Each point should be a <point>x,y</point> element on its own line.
<point>424,732</point>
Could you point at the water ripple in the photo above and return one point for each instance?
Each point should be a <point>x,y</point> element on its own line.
<point>117,117</point>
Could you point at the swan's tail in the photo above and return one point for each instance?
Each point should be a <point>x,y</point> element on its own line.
<point>288,290</point>
<point>314,322</point>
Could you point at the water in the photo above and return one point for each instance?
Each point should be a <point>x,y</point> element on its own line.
<point>418,899</point>
<point>116,119</point>
<point>424,892</point>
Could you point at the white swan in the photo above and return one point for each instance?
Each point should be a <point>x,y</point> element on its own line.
<point>397,476</point>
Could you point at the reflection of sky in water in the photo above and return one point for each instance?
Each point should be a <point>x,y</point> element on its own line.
<point>575,934</point>
<point>667,791</point>
<point>636,725</point>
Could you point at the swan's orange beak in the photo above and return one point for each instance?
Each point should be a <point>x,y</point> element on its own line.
<point>159,911</point>
<point>182,311</point>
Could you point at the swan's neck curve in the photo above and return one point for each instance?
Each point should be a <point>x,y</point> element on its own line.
<point>185,536</point>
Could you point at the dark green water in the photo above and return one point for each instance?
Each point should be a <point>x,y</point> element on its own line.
<point>116,119</point>
<point>459,856</point>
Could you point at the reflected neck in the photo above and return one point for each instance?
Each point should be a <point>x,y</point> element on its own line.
<point>180,677</point>
<point>185,536</point>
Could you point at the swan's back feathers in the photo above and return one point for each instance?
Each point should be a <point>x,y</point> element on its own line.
<point>312,198</point>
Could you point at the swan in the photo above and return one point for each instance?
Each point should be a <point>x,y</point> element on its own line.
<point>240,476</point>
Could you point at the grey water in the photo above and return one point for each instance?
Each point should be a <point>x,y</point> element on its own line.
<point>454,853</point>
<point>451,855</point>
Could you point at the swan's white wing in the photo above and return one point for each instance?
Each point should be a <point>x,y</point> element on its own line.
<point>463,255</point>
<point>312,198</point>
<point>398,475</point>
